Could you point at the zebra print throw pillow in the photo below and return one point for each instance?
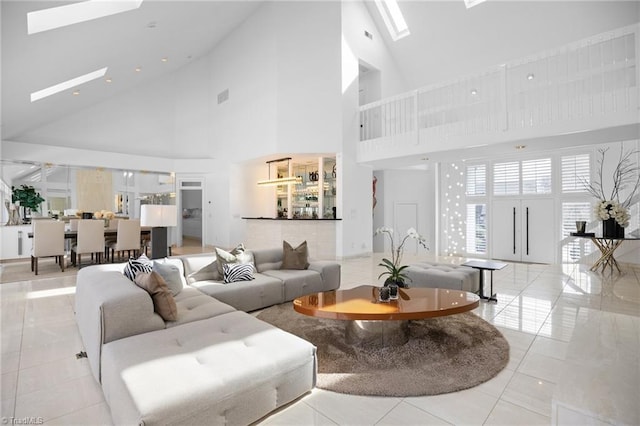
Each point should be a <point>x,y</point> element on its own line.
<point>135,266</point>
<point>234,272</point>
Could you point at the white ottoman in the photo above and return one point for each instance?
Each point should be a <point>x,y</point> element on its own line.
<point>230,369</point>
<point>443,275</point>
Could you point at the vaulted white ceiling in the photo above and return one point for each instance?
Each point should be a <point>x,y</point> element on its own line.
<point>446,40</point>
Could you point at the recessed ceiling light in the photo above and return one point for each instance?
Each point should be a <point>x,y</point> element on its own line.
<point>165,59</point>
<point>521,146</point>
<point>474,92</point>
<point>138,69</point>
<point>52,90</point>
<point>76,92</point>
<point>530,76</point>
<point>62,16</point>
<point>108,80</point>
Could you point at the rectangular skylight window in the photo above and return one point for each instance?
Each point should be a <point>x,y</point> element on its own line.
<point>61,16</point>
<point>471,3</point>
<point>393,19</point>
<point>60,87</point>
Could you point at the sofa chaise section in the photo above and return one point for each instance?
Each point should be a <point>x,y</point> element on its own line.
<point>109,306</point>
<point>231,369</point>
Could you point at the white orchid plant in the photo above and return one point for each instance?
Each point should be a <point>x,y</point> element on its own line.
<point>395,271</point>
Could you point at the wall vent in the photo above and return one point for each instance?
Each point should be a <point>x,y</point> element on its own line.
<point>223,96</point>
<point>368,35</point>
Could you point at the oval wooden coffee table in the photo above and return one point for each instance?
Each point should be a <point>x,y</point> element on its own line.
<point>371,322</point>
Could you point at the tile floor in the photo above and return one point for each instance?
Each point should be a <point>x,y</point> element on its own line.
<point>538,309</point>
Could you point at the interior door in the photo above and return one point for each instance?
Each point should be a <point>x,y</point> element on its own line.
<point>538,227</point>
<point>506,229</point>
<point>523,230</point>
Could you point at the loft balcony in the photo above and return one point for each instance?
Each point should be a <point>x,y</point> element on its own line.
<point>584,87</point>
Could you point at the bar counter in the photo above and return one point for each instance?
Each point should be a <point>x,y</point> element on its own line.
<point>320,234</point>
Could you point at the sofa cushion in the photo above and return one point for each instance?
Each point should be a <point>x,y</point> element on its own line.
<point>234,272</point>
<point>171,274</point>
<point>135,266</point>
<point>267,259</point>
<point>295,258</point>
<point>298,283</point>
<point>163,301</point>
<point>231,369</point>
<point>193,305</point>
<point>207,272</point>
<point>246,296</point>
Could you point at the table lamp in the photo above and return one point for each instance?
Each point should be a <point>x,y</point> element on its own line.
<point>158,217</point>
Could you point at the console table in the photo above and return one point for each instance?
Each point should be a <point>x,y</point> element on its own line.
<point>607,247</point>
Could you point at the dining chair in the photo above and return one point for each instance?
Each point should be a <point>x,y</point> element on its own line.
<point>73,224</point>
<point>110,239</point>
<point>48,241</point>
<point>127,239</point>
<point>90,240</point>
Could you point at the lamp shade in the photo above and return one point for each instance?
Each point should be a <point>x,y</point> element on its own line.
<point>158,215</point>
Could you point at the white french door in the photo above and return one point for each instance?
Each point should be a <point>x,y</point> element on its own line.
<point>523,229</point>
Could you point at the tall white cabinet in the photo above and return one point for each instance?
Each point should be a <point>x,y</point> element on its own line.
<point>522,230</point>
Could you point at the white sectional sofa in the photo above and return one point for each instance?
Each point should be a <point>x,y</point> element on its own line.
<point>215,364</point>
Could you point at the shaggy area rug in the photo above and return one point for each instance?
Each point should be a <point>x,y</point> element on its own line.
<point>445,354</point>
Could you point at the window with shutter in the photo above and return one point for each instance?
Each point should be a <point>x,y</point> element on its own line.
<point>575,173</point>
<point>536,176</point>
<point>477,228</point>
<point>572,212</point>
<point>476,180</point>
<point>506,178</point>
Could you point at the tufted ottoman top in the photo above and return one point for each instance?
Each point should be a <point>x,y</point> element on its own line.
<point>443,275</point>
<point>172,375</point>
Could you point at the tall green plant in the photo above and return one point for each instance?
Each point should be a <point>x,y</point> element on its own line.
<point>27,196</point>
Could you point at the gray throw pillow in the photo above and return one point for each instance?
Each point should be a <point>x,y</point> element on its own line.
<point>295,258</point>
<point>171,275</point>
<point>207,273</point>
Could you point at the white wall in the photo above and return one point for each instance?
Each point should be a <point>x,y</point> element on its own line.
<point>355,232</point>
<point>413,187</point>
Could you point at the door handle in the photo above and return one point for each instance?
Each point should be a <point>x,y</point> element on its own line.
<point>514,230</point>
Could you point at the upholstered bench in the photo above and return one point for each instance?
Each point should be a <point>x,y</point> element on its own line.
<point>443,275</point>
<point>230,369</point>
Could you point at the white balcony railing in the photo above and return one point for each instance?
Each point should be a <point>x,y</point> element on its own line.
<point>592,78</point>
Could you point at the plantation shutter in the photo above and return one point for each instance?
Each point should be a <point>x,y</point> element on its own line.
<point>476,180</point>
<point>506,178</point>
<point>476,228</point>
<point>575,173</point>
<point>536,176</point>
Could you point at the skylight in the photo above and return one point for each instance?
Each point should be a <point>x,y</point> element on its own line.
<point>471,3</point>
<point>393,19</point>
<point>61,16</point>
<point>35,96</point>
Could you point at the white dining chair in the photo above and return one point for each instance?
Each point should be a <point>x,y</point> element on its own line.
<point>48,241</point>
<point>127,239</point>
<point>90,240</point>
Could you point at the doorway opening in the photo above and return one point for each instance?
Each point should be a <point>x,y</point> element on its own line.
<point>191,208</point>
